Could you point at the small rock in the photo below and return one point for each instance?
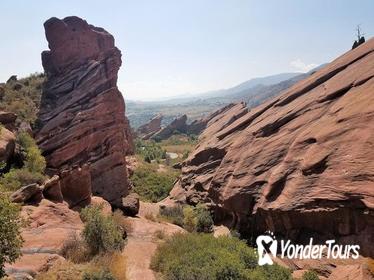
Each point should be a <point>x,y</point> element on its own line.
<point>130,204</point>
<point>7,117</point>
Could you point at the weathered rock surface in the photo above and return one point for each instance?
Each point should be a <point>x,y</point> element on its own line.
<point>28,194</point>
<point>106,209</point>
<point>300,165</point>
<point>82,114</point>
<point>147,130</point>
<point>7,144</point>
<point>49,226</point>
<point>130,204</point>
<point>52,189</point>
<point>143,240</point>
<point>177,125</point>
<point>76,186</point>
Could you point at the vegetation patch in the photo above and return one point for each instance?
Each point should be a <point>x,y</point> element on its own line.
<point>149,150</point>
<point>192,219</point>
<point>152,185</point>
<point>33,167</point>
<point>23,96</point>
<point>10,238</point>
<point>111,266</point>
<point>310,275</point>
<point>202,256</point>
<point>101,233</point>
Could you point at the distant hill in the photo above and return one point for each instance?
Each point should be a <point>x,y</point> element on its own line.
<point>253,92</point>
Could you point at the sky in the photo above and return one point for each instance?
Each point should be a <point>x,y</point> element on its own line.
<point>172,48</point>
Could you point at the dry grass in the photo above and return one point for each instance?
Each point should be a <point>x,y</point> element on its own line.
<point>149,216</point>
<point>115,263</point>
<point>121,220</point>
<point>76,250</point>
<point>66,270</point>
<point>160,234</point>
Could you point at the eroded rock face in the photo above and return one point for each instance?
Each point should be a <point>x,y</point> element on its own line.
<point>177,125</point>
<point>301,164</point>
<point>147,130</point>
<point>82,114</point>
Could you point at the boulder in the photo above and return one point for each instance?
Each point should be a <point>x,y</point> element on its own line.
<point>76,186</point>
<point>31,194</point>
<point>82,112</point>
<point>106,208</point>
<point>300,165</point>
<point>130,204</point>
<point>7,144</point>
<point>7,118</point>
<point>52,189</point>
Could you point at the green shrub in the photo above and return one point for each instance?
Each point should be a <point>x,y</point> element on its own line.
<point>99,275</point>
<point>35,162</point>
<point>189,219</point>
<point>173,214</point>
<point>152,185</point>
<point>204,221</point>
<point>149,150</point>
<point>17,178</point>
<point>310,275</point>
<point>202,256</point>
<point>100,232</point>
<point>10,238</point>
<point>24,102</point>
<point>31,172</point>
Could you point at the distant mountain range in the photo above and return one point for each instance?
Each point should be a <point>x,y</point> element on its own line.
<point>253,92</point>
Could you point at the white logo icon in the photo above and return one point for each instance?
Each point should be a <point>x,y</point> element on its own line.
<point>266,245</point>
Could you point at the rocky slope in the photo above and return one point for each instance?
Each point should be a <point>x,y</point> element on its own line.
<point>147,130</point>
<point>82,131</point>
<point>301,164</point>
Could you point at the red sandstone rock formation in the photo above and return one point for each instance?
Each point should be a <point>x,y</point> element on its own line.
<point>301,164</point>
<point>150,128</point>
<point>177,125</point>
<point>82,114</point>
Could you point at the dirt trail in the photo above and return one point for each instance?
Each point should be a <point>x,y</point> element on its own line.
<point>143,239</point>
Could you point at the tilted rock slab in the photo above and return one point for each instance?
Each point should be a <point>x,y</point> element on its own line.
<point>82,116</point>
<point>301,164</point>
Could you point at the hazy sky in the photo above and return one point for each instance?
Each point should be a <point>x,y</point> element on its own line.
<point>177,47</point>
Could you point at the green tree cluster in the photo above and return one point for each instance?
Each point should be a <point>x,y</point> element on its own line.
<point>10,238</point>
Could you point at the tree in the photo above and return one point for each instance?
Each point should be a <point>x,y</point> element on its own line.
<point>360,38</point>
<point>10,238</point>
